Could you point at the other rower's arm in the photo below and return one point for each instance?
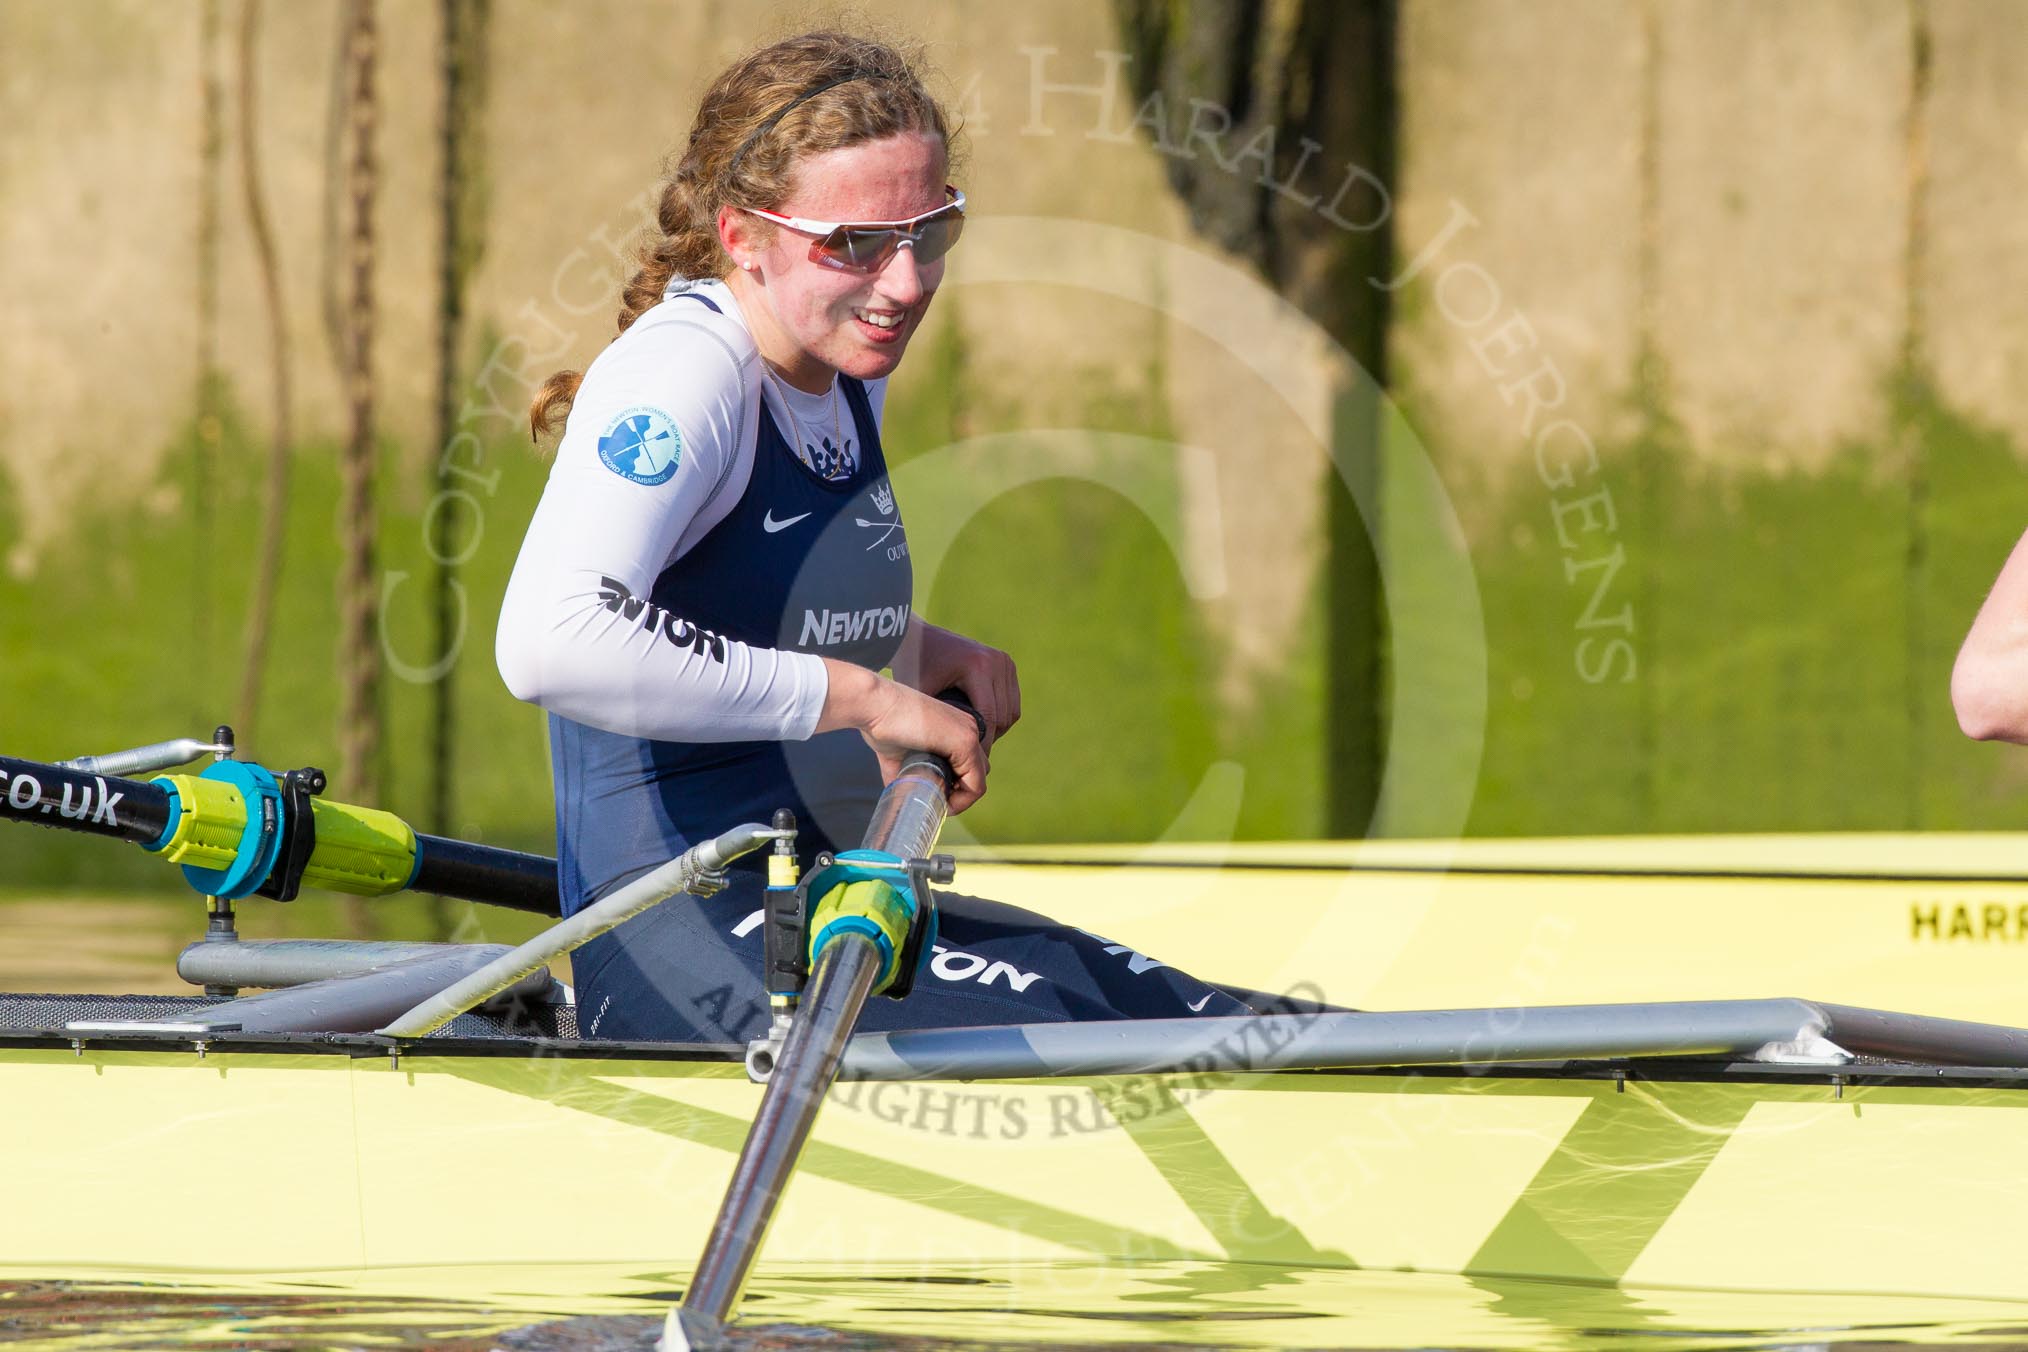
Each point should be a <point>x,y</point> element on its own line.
<point>1989,683</point>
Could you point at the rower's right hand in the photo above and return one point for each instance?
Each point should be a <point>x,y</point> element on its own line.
<point>896,720</point>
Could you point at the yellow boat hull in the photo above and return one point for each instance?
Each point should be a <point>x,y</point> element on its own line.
<point>327,1162</point>
<point>1748,1197</point>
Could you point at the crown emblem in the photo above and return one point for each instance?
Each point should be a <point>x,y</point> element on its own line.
<point>883,498</point>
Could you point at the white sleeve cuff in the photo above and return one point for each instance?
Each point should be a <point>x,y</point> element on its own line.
<point>813,687</point>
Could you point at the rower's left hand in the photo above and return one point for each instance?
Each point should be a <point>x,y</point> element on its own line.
<point>935,659</point>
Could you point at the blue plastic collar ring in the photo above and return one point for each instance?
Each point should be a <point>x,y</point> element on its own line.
<point>259,845</point>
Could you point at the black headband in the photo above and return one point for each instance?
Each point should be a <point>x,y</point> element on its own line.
<point>791,106</point>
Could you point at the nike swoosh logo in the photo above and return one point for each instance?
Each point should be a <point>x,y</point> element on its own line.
<point>770,525</point>
<point>1198,1008</point>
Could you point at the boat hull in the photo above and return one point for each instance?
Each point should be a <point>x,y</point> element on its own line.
<point>1744,1179</point>
<point>553,1176</point>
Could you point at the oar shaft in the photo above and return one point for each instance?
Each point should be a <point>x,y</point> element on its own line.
<point>910,813</point>
<point>485,873</point>
<point>905,824</point>
<point>140,812</point>
<point>808,1065</point>
<point>75,800</point>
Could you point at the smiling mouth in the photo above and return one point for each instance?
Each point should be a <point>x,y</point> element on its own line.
<point>881,319</point>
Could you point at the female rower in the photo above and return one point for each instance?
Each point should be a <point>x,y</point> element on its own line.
<point>718,570</point>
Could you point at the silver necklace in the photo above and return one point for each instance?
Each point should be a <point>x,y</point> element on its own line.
<point>796,423</point>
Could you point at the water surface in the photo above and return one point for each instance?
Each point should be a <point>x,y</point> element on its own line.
<point>1154,1306</point>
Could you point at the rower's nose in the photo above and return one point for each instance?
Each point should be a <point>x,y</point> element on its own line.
<point>901,281</point>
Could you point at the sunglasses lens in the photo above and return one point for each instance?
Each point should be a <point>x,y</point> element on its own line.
<point>934,238</point>
<point>867,248</point>
<point>862,250</point>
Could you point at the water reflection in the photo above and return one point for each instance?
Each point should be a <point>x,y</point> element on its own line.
<point>66,1315</point>
<point>847,1311</point>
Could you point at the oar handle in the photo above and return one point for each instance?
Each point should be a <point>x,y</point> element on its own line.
<point>911,810</point>
<point>957,699</point>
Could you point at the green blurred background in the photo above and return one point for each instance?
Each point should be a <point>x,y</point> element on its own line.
<point>1763,259</point>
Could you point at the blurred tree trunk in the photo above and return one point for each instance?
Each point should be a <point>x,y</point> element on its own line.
<point>1309,88</point>
<point>359,710</point>
<point>461,204</point>
<point>275,505</point>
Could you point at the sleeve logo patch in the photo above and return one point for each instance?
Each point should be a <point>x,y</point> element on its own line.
<point>642,444</point>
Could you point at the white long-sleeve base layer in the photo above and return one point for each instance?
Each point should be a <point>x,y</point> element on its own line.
<point>565,642</point>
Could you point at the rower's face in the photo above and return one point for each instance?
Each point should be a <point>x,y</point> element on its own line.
<point>855,322</point>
